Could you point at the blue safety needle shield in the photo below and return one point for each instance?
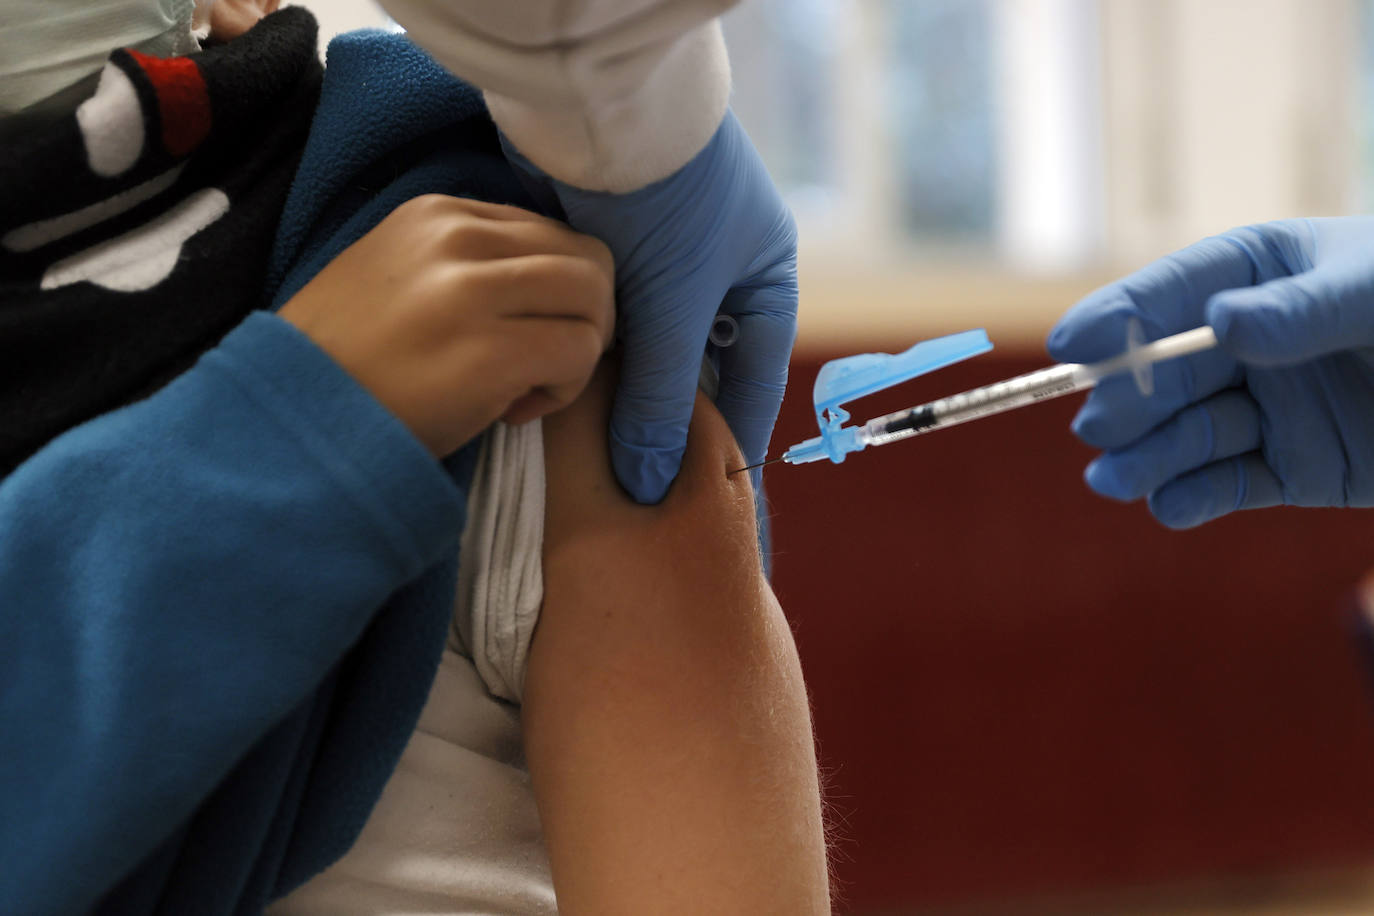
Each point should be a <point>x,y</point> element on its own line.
<point>852,377</point>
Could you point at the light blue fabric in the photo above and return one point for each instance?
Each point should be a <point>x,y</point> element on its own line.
<point>713,237</point>
<point>1281,413</point>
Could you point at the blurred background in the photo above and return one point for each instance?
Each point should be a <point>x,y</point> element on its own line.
<point>1030,700</point>
<point>1002,156</point>
<point>992,159</point>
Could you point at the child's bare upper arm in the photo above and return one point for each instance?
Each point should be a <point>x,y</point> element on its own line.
<point>665,718</point>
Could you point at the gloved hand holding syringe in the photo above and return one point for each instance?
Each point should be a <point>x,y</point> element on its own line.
<point>844,380</point>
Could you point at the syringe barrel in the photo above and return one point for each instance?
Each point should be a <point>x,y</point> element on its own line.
<point>1041,385</point>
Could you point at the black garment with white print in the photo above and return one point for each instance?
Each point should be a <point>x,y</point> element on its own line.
<point>136,226</point>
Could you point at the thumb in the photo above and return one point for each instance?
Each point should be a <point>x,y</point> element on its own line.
<point>649,420</point>
<point>1294,319</point>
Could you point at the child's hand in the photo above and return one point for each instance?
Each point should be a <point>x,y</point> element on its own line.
<point>455,313</point>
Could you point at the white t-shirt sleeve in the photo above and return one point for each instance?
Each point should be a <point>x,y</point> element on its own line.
<point>607,95</point>
<point>500,563</point>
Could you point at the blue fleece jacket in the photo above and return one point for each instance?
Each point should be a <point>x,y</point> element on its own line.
<point>223,606</point>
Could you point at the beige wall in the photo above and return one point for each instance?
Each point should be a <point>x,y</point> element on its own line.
<point>892,308</point>
<point>1227,112</point>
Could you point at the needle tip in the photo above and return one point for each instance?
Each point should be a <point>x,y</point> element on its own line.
<point>752,466</point>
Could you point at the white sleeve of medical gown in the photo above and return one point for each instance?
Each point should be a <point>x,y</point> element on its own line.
<point>606,95</point>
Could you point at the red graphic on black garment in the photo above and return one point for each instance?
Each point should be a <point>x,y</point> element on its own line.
<point>139,101</point>
<point>182,99</point>
<point>138,98</point>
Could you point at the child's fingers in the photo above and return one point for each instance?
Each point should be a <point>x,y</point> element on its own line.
<point>475,238</point>
<point>554,357</point>
<point>546,286</point>
<point>454,312</point>
<point>477,230</point>
<point>505,212</point>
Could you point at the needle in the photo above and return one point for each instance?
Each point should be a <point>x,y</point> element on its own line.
<point>752,466</point>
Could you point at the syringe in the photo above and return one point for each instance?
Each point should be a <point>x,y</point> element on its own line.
<point>1031,388</point>
<point>1000,397</point>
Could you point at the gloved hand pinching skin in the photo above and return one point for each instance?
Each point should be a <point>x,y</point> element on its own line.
<point>1281,413</point>
<point>713,237</point>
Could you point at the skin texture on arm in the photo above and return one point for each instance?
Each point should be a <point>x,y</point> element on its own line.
<point>666,723</point>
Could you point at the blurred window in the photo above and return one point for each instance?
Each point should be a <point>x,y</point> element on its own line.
<point>783,60</point>
<point>924,68</point>
<point>939,94</point>
<point>891,124</point>
<point>1053,135</point>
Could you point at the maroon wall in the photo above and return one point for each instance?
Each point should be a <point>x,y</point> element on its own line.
<point>1022,688</point>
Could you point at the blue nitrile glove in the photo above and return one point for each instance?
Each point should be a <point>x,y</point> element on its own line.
<point>1281,413</point>
<point>713,237</point>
